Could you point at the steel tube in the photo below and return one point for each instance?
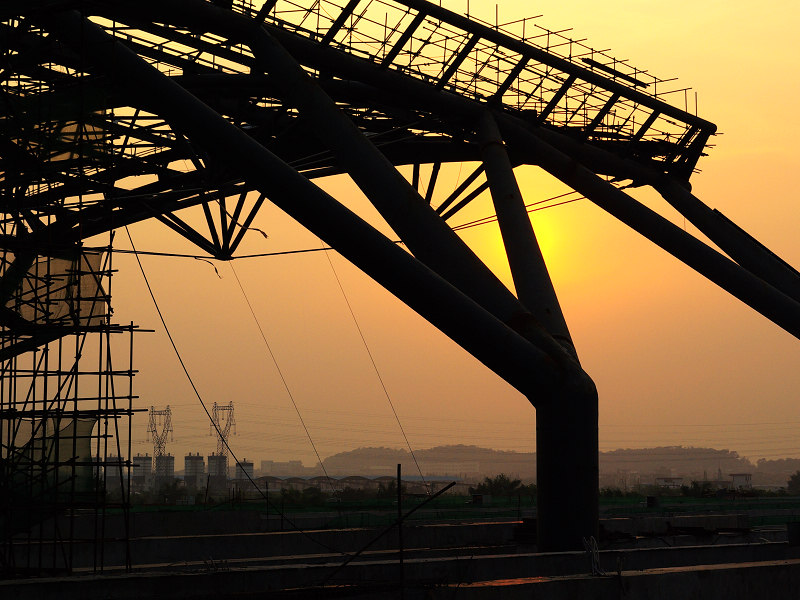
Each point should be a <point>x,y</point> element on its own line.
<point>732,240</point>
<point>528,269</point>
<point>753,291</point>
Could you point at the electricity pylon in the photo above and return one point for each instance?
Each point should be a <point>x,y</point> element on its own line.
<point>223,425</point>
<point>159,427</point>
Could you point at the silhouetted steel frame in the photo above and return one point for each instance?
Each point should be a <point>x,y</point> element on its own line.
<point>547,380</point>
<point>485,321</point>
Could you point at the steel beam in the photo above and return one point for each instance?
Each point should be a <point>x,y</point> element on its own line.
<point>528,269</point>
<point>753,291</point>
<point>425,234</point>
<point>731,239</point>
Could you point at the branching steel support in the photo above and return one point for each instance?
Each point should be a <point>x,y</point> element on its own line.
<point>531,278</point>
<point>566,428</point>
<point>567,468</point>
<point>753,291</point>
<point>735,242</point>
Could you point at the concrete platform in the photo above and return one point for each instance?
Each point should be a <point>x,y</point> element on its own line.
<point>187,549</point>
<point>632,573</point>
<point>730,581</point>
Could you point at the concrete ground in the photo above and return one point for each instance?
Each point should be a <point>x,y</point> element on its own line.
<point>683,556</point>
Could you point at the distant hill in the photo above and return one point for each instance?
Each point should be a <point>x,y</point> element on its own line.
<point>459,460</point>
<point>664,460</point>
<point>617,467</point>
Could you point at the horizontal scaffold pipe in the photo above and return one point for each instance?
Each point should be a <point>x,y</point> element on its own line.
<point>496,345</point>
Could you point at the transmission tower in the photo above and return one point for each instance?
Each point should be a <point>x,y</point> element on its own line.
<point>158,427</point>
<point>223,425</point>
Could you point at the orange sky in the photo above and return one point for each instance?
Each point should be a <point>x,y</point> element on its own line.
<point>676,360</point>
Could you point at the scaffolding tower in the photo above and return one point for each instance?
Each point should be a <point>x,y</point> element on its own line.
<point>65,412</point>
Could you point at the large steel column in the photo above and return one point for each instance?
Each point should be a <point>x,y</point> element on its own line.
<point>567,472</point>
<point>531,278</point>
<point>567,469</point>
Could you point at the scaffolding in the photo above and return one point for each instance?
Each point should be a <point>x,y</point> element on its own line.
<point>65,415</point>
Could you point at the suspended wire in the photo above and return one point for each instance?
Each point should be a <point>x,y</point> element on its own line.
<point>530,208</point>
<point>208,414</point>
<point>283,379</point>
<point>482,221</point>
<point>375,368</point>
<point>208,257</point>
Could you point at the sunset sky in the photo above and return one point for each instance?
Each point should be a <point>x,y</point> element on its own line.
<point>676,360</point>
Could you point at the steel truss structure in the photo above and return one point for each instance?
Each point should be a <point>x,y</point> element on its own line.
<point>117,112</point>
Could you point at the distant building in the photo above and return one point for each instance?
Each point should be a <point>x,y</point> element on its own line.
<point>165,466</point>
<point>194,471</point>
<point>142,466</point>
<point>218,474</point>
<point>357,482</point>
<point>244,470</point>
<point>142,472</point>
<point>669,482</point>
<point>165,470</point>
<point>741,480</point>
<point>218,465</point>
<point>268,483</point>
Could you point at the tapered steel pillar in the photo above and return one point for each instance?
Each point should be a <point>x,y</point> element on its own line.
<point>528,269</point>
